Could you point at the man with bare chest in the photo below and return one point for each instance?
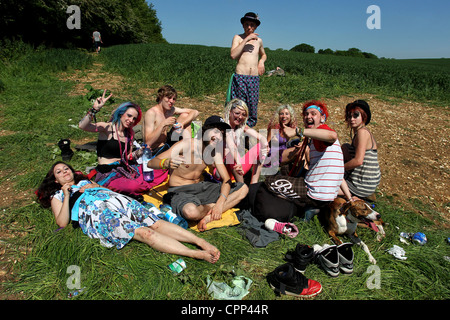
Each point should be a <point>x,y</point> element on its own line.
<point>248,50</point>
<point>197,200</point>
<point>161,118</point>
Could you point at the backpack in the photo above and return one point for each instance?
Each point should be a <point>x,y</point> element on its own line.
<point>264,204</point>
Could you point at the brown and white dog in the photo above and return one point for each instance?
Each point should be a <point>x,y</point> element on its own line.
<point>342,217</point>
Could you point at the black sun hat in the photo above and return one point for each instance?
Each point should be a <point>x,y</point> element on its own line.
<point>215,122</point>
<point>363,105</point>
<point>251,16</point>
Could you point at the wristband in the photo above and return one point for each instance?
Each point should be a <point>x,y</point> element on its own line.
<point>223,195</point>
<point>161,163</point>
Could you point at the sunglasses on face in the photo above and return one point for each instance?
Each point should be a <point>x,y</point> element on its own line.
<point>353,115</point>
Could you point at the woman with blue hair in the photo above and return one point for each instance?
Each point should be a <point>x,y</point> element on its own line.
<point>117,168</point>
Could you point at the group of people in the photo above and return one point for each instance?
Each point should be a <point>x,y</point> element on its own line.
<point>310,159</point>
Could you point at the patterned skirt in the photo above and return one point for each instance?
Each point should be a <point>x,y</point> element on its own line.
<point>112,217</point>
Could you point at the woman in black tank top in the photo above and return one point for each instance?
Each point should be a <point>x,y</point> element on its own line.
<point>117,167</point>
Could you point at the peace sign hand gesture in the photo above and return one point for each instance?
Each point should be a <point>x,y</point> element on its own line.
<point>100,101</point>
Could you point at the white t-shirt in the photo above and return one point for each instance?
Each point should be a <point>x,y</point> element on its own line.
<point>96,36</point>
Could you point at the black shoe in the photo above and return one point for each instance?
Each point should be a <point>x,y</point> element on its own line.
<point>66,152</point>
<point>284,279</point>
<point>300,257</point>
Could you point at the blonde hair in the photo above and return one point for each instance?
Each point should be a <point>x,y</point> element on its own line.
<point>274,123</point>
<point>231,105</point>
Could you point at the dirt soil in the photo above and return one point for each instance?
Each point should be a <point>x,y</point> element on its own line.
<point>413,143</point>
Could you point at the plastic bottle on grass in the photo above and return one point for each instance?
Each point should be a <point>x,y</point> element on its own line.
<point>177,266</point>
<point>146,171</point>
<point>168,215</point>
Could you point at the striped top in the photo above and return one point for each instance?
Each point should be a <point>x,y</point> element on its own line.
<point>363,180</point>
<point>326,169</point>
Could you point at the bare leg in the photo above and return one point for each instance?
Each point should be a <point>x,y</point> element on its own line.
<point>232,200</point>
<point>164,243</point>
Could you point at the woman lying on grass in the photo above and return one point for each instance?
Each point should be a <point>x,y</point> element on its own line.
<point>114,218</point>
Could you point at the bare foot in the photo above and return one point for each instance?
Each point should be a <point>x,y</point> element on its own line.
<point>208,256</point>
<point>208,247</point>
<point>202,224</point>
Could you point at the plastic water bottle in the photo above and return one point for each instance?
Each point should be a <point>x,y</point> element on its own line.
<point>146,171</point>
<point>168,215</point>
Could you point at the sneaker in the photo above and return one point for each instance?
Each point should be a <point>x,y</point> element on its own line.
<point>285,280</point>
<point>345,253</point>
<point>300,257</point>
<point>286,228</point>
<point>327,257</point>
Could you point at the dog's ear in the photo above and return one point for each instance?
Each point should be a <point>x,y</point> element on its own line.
<point>336,204</point>
<point>348,205</point>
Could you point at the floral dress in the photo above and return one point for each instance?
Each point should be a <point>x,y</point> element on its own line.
<point>109,216</point>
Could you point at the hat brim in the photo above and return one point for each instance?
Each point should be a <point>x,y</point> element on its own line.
<point>243,19</point>
<point>219,125</point>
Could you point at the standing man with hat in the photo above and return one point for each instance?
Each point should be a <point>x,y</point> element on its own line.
<point>247,48</point>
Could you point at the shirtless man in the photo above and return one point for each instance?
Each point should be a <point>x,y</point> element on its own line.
<point>191,198</point>
<point>161,118</point>
<point>248,50</point>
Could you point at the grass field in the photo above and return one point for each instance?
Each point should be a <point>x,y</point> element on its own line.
<point>38,109</point>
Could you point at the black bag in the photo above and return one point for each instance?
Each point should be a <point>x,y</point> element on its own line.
<point>264,204</point>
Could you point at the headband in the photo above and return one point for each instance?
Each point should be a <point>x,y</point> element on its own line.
<point>317,108</point>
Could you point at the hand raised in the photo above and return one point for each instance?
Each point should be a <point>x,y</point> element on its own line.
<point>100,101</point>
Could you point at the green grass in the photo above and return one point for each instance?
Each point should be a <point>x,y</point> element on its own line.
<point>199,70</point>
<point>36,111</point>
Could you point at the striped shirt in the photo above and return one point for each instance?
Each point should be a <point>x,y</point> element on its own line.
<point>363,180</point>
<point>326,169</point>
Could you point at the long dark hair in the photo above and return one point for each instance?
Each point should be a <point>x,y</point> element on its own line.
<point>49,186</point>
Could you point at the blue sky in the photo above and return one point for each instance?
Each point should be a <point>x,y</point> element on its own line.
<point>409,28</point>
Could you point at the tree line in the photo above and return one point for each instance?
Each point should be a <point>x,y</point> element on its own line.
<point>40,22</point>
<point>352,52</point>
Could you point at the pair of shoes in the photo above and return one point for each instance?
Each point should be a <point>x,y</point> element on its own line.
<point>284,279</point>
<point>300,257</point>
<point>333,258</point>
<point>286,228</point>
